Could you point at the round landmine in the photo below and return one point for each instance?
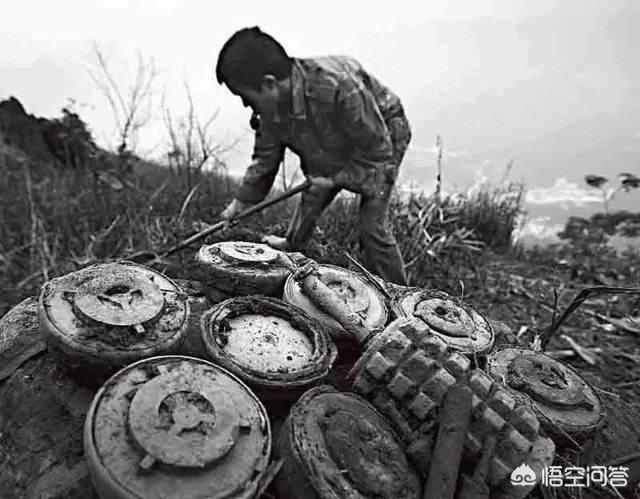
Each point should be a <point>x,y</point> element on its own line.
<point>406,371</point>
<point>565,399</point>
<point>176,426</point>
<point>335,444</point>
<point>462,327</point>
<point>354,290</point>
<point>240,268</point>
<point>270,344</point>
<point>111,314</point>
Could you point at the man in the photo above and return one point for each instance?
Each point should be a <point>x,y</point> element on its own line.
<point>349,130</point>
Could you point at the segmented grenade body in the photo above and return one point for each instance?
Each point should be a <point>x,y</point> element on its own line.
<point>407,372</point>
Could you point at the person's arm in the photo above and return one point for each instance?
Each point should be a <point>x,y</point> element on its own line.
<point>361,121</point>
<point>258,179</point>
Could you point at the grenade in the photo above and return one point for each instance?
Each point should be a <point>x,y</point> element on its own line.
<point>460,326</point>
<point>336,444</point>
<point>354,290</point>
<point>566,402</point>
<point>108,315</point>
<point>269,344</point>
<point>174,426</point>
<point>233,268</point>
<point>406,371</point>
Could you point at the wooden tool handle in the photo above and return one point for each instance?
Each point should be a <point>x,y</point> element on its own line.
<point>447,452</point>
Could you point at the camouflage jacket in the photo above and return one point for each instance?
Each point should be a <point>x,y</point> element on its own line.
<point>337,126</point>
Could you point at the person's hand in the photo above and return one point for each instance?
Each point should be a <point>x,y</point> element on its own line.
<point>276,242</point>
<point>322,182</point>
<point>235,207</point>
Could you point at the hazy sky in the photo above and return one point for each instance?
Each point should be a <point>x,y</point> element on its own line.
<point>553,85</point>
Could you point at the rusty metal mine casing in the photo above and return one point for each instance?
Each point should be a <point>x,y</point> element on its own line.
<point>175,426</point>
<point>271,345</point>
<point>336,444</point>
<point>108,315</point>
<point>459,325</point>
<point>406,372</point>
<point>564,400</point>
<point>363,298</point>
<point>233,268</point>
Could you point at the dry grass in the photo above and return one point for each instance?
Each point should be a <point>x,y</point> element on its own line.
<point>54,220</point>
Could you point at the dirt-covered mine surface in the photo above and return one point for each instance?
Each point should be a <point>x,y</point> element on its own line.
<point>42,408</point>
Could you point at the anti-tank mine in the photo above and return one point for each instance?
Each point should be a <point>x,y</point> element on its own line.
<point>235,268</point>
<point>565,401</point>
<point>271,345</point>
<point>176,426</point>
<point>107,315</point>
<point>463,328</point>
<point>412,413</point>
<point>336,444</point>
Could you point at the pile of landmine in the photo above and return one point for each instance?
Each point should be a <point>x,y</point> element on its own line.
<point>195,381</point>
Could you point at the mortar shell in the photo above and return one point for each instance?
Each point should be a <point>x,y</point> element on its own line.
<point>353,289</point>
<point>273,346</point>
<point>566,402</point>
<point>108,315</point>
<point>336,444</point>
<point>406,372</point>
<point>241,268</point>
<point>175,426</point>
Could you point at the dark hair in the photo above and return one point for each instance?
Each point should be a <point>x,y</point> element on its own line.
<point>249,55</point>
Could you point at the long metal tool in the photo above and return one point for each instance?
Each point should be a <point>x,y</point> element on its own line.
<point>146,257</point>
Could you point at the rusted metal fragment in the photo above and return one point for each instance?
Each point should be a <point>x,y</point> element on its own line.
<point>337,445</point>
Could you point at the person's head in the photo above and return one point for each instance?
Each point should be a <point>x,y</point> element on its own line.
<point>254,66</point>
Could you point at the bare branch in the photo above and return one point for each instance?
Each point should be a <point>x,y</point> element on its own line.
<point>133,110</point>
<point>191,141</point>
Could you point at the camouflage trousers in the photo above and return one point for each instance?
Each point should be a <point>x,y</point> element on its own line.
<point>381,251</point>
